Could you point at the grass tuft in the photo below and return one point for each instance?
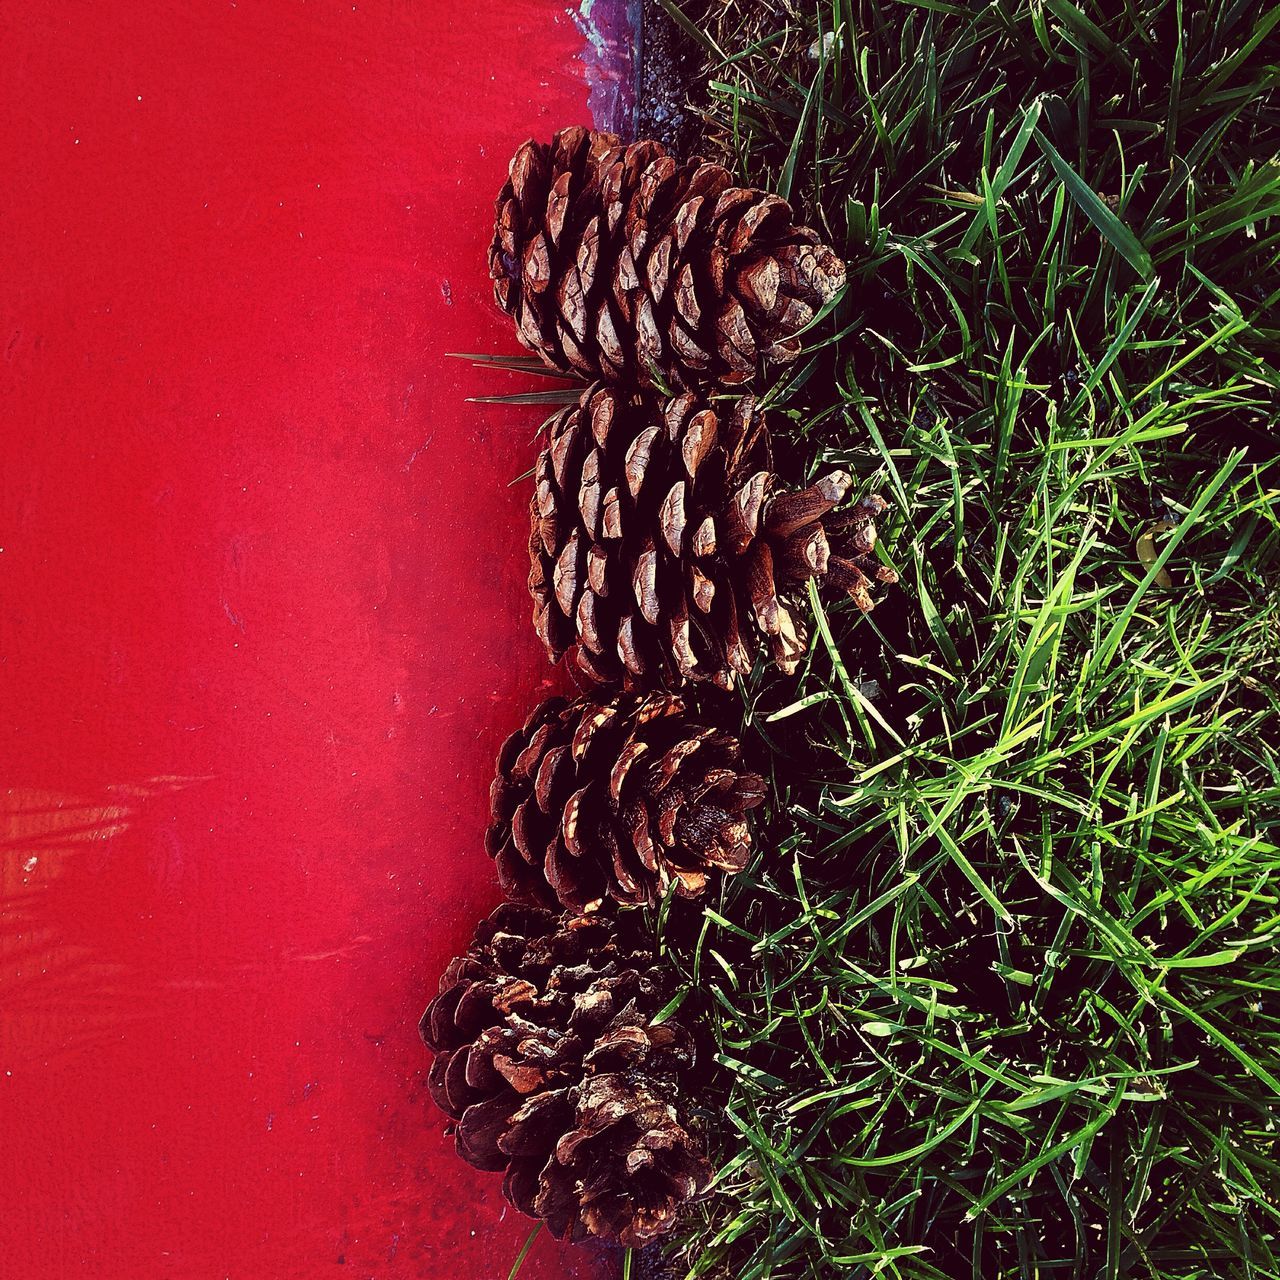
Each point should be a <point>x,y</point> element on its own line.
<point>999,997</point>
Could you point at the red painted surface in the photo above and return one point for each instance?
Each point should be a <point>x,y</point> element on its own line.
<point>262,622</point>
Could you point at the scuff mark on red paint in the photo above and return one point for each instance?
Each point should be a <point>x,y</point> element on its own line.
<point>611,29</point>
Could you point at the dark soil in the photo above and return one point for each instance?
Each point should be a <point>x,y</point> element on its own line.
<point>672,89</point>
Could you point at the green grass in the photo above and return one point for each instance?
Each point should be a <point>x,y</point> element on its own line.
<point>999,997</point>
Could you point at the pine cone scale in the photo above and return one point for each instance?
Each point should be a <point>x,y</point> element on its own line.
<point>479,1128</point>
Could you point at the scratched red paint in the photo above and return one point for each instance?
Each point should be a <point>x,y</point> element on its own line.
<point>262,623</point>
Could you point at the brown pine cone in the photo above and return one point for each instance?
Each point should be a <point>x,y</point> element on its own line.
<point>625,264</point>
<point>657,542</point>
<point>617,799</point>
<point>548,1058</point>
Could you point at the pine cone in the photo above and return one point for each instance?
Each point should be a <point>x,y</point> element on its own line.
<point>655,530</point>
<point>548,1059</point>
<point>617,799</point>
<point>625,264</point>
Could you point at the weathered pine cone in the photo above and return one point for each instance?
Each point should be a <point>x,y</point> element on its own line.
<point>548,1058</point>
<point>623,263</point>
<point>618,799</point>
<point>658,546</point>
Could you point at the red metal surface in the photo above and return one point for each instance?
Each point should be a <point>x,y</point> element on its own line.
<point>262,622</point>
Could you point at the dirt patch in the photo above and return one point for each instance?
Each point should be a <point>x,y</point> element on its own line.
<point>672,88</point>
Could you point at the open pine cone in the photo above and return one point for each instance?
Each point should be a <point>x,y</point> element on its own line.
<point>657,542</point>
<point>622,263</point>
<point>548,1059</point>
<point>618,799</point>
